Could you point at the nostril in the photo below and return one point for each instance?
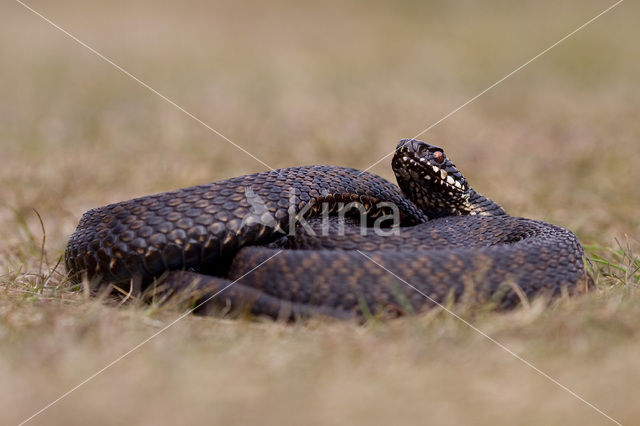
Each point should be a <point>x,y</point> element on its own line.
<point>403,143</point>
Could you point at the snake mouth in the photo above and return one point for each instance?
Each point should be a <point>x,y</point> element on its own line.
<point>426,163</point>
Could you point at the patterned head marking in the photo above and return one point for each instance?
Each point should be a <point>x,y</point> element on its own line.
<point>430,179</point>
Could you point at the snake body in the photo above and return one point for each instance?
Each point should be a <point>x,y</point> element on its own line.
<point>300,241</point>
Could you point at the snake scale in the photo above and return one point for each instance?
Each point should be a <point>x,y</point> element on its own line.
<point>299,241</point>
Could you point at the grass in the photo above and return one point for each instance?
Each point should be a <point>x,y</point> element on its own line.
<point>328,83</point>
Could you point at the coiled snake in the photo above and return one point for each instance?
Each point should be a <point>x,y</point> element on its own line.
<point>250,242</point>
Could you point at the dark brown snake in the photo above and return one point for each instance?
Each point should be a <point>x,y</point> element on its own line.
<point>247,242</point>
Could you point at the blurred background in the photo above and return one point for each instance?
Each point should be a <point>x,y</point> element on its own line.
<point>332,83</point>
<point>295,83</point>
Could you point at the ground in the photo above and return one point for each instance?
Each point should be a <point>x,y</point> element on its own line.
<point>317,83</point>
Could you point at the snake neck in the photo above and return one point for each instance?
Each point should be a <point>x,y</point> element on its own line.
<point>471,203</point>
<point>480,205</point>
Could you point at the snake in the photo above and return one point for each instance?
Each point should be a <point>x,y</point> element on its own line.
<point>329,241</point>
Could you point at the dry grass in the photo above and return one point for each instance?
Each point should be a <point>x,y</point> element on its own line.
<point>304,83</point>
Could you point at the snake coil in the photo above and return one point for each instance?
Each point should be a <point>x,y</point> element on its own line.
<point>272,242</point>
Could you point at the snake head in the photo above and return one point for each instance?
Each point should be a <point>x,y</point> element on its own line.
<point>430,179</point>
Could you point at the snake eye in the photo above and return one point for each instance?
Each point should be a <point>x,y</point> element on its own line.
<point>438,157</point>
